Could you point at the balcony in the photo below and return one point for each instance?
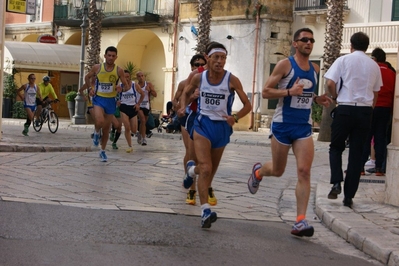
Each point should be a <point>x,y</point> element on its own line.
<point>314,11</point>
<point>382,34</point>
<point>117,12</point>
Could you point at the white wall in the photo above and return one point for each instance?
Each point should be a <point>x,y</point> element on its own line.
<point>240,59</point>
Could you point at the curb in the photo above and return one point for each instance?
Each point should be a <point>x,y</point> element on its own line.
<point>353,227</point>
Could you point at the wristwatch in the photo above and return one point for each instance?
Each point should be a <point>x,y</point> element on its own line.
<point>235,118</point>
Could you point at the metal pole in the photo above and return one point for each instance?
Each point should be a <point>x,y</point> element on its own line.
<point>80,103</point>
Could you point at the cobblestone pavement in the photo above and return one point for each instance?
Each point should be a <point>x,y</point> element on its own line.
<point>63,169</point>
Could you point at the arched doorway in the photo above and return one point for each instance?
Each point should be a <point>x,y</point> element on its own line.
<point>146,51</point>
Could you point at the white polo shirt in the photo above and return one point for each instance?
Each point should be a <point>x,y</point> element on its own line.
<point>361,77</point>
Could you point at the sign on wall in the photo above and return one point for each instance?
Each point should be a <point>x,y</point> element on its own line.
<point>21,6</point>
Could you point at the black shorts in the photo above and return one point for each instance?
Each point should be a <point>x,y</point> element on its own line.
<point>42,103</point>
<point>145,111</point>
<point>128,110</point>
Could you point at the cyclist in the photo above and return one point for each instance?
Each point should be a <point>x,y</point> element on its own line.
<point>46,89</point>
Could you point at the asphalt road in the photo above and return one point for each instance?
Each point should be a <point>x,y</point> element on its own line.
<point>41,234</point>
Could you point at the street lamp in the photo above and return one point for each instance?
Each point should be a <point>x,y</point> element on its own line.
<point>80,104</point>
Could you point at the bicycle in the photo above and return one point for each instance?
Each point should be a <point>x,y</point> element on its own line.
<point>47,115</point>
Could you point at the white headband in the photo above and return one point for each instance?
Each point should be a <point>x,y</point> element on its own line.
<point>217,50</point>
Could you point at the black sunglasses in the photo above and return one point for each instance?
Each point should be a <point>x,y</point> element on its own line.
<point>199,64</point>
<point>306,39</point>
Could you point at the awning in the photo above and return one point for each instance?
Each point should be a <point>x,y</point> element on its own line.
<point>41,56</point>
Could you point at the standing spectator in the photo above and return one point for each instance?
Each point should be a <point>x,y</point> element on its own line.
<point>382,113</point>
<point>46,89</point>
<point>29,97</point>
<point>296,78</point>
<point>145,105</point>
<point>352,117</point>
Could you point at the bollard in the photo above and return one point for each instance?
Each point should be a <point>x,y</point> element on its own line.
<point>80,111</point>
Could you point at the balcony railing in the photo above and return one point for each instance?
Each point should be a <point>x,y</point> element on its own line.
<point>382,34</point>
<point>64,9</point>
<point>305,5</point>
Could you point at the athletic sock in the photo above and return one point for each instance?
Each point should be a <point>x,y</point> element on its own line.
<point>300,218</point>
<point>257,175</point>
<point>117,135</point>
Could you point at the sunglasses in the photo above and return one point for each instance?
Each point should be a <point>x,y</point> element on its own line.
<point>306,39</point>
<point>199,64</point>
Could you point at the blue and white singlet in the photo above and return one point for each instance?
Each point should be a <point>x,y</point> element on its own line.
<point>129,97</point>
<point>296,109</point>
<point>215,100</point>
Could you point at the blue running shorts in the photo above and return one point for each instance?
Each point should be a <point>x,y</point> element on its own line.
<point>287,133</point>
<point>189,125</point>
<point>108,104</point>
<point>218,132</point>
<point>33,108</point>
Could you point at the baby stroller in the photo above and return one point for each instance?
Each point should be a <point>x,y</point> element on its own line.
<point>169,122</point>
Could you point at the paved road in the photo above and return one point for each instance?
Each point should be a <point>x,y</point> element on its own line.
<point>150,180</point>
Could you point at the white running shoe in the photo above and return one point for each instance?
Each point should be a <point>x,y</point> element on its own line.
<point>370,162</point>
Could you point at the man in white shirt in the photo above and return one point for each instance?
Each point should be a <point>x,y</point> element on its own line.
<point>356,97</point>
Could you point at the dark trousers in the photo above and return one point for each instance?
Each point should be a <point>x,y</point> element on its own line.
<point>379,127</point>
<point>355,122</point>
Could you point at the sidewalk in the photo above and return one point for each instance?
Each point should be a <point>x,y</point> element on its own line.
<point>371,226</point>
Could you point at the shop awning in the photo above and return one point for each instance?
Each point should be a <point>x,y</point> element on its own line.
<point>41,56</point>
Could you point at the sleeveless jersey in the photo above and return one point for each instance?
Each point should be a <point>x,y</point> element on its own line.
<point>30,95</point>
<point>129,97</point>
<point>296,109</point>
<point>215,100</point>
<point>106,82</point>
<point>194,104</point>
<point>146,101</point>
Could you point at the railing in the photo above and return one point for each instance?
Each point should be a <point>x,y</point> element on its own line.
<point>303,5</point>
<point>65,10</point>
<point>382,34</point>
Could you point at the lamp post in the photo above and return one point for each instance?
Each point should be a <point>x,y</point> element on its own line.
<point>80,103</point>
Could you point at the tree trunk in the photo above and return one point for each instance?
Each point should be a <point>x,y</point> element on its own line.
<point>332,49</point>
<point>204,22</point>
<point>94,45</point>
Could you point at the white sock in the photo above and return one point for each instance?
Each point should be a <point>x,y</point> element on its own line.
<point>191,171</point>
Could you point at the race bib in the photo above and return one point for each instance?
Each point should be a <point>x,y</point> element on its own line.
<point>303,101</point>
<point>212,101</point>
<point>105,87</point>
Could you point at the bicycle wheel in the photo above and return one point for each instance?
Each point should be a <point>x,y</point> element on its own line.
<point>52,122</point>
<point>37,128</point>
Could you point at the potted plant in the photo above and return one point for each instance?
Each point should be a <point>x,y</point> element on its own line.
<point>70,98</point>
<point>317,111</point>
<point>9,94</point>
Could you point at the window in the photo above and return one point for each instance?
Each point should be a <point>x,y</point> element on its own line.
<point>395,10</point>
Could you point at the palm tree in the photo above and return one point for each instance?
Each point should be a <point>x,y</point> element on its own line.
<point>332,49</point>
<point>204,22</point>
<point>94,45</point>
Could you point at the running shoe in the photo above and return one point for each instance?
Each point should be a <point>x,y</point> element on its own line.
<point>144,142</point>
<point>96,139</point>
<point>208,218</point>
<point>114,146</point>
<point>188,180</point>
<point>129,150</point>
<point>112,136</point>
<point>211,197</point>
<point>191,197</point>
<point>302,228</point>
<point>370,162</point>
<point>25,133</point>
<point>253,182</point>
<point>139,139</point>
<point>103,156</point>
<point>149,135</point>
